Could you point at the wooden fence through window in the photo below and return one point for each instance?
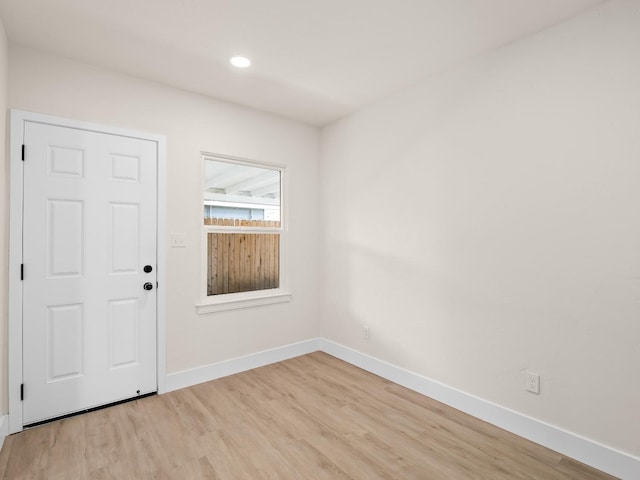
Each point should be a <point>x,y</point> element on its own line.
<point>242,262</point>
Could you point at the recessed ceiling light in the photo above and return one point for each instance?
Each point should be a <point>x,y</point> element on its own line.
<point>240,62</point>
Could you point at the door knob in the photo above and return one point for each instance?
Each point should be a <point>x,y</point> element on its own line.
<point>148,286</point>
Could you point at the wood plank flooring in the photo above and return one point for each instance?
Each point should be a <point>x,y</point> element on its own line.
<point>311,417</point>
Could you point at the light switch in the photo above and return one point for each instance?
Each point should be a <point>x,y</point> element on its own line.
<point>178,240</point>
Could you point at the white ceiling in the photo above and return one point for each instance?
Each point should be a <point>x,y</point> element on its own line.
<point>313,60</point>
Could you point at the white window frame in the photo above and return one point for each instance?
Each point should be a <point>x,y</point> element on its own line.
<point>232,301</point>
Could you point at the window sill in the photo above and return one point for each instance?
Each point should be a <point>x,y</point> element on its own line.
<point>233,301</point>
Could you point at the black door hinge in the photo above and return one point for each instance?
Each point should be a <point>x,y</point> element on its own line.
<point>23,152</point>
<point>22,271</point>
<point>22,391</point>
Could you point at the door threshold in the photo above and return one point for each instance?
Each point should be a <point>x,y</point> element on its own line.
<point>88,410</point>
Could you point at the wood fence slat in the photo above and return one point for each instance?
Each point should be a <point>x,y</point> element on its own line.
<point>237,257</point>
<point>232,262</point>
<point>265,262</point>
<point>251,256</point>
<point>276,267</point>
<point>224,264</point>
<point>268,279</point>
<point>212,248</point>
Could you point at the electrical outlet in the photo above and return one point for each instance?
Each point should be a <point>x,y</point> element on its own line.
<point>533,382</point>
<point>366,332</point>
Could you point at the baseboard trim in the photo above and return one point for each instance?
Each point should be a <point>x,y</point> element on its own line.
<point>606,459</point>
<point>194,376</point>
<point>4,429</point>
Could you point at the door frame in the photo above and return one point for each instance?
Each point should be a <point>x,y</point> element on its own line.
<point>16,200</point>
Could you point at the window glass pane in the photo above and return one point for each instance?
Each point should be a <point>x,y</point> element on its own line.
<point>242,262</point>
<point>241,193</point>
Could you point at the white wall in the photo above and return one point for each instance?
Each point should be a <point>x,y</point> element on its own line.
<point>192,123</point>
<point>488,221</point>
<point>4,221</point>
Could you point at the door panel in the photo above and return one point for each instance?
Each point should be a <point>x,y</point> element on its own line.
<point>64,343</point>
<point>123,332</point>
<point>123,237</point>
<point>89,327</point>
<point>65,238</point>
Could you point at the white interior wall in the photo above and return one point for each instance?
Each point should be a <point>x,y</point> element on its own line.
<point>487,222</point>
<point>4,220</point>
<point>192,123</point>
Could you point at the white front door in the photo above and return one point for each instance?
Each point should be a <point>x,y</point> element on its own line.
<point>89,252</point>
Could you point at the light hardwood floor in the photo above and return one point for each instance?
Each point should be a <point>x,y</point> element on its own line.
<point>311,417</point>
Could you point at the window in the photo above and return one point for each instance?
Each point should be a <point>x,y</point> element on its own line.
<point>243,234</point>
